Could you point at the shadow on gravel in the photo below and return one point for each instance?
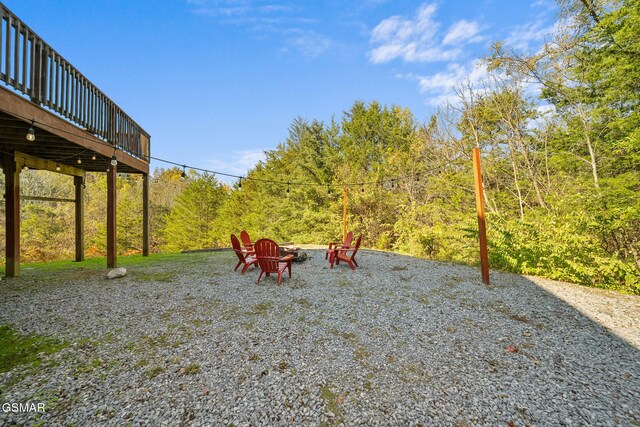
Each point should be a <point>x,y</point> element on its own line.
<point>399,341</point>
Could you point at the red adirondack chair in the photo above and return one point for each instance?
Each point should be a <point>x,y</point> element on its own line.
<point>342,254</point>
<point>269,260</point>
<point>246,241</point>
<point>244,257</point>
<point>335,245</point>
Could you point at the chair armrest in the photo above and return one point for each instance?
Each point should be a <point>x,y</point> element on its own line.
<point>286,258</point>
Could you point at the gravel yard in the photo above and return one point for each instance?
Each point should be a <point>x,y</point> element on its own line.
<point>399,341</point>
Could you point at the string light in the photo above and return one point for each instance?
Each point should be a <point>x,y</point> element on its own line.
<point>79,161</point>
<point>183,175</point>
<point>148,158</point>
<point>31,133</point>
<point>58,167</point>
<point>288,187</point>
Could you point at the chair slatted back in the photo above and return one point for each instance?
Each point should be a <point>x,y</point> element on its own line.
<point>357,246</point>
<point>348,240</point>
<point>268,254</point>
<point>246,240</point>
<point>237,248</point>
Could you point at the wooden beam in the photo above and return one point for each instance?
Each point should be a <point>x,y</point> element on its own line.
<point>78,182</point>
<point>12,212</point>
<point>145,214</point>
<point>482,227</point>
<point>112,248</point>
<point>46,199</point>
<point>48,165</point>
<point>22,108</point>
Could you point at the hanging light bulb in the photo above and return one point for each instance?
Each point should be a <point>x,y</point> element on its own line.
<point>328,190</point>
<point>362,188</point>
<point>79,161</point>
<point>240,183</point>
<point>183,175</point>
<point>31,133</point>
<point>288,187</point>
<point>93,157</point>
<point>58,167</point>
<point>114,161</point>
<point>25,168</point>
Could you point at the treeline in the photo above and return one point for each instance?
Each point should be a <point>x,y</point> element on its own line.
<point>561,171</point>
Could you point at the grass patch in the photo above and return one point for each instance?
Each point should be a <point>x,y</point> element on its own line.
<point>99,263</point>
<point>331,399</point>
<point>361,354</point>
<point>190,369</point>
<point>26,351</point>
<point>423,299</point>
<point>343,283</point>
<point>161,276</point>
<point>154,371</point>
<point>17,349</point>
<point>303,302</point>
<point>261,308</point>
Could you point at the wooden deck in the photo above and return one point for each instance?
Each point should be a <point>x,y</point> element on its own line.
<point>77,128</point>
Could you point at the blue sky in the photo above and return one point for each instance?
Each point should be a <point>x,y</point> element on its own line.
<point>217,82</point>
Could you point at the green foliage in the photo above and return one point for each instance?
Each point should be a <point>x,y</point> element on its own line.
<point>190,224</point>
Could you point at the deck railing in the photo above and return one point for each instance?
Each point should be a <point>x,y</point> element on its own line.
<point>31,66</point>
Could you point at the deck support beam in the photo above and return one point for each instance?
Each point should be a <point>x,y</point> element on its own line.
<point>145,214</point>
<point>112,248</point>
<point>78,182</point>
<point>12,213</point>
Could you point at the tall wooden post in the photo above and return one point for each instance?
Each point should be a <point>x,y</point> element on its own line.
<point>145,214</point>
<point>344,215</point>
<point>482,227</point>
<point>112,248</point>
<point>12,212</point>
<point>78,182</point>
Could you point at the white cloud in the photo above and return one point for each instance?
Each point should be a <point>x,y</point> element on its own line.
<point>415,39</point>
<point>462,31</point>
<point>440,87</point>
<point>236,163</point>
<point>308,43</point>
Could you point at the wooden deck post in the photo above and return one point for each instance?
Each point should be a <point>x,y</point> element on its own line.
<point>482,227</point>
<point>12,212</point>
<point>112,247</point>
<point>78,182</point>
<point>145,214</point>
<point>344,216</point>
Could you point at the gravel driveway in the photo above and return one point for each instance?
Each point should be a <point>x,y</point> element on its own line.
<point>399,341</point>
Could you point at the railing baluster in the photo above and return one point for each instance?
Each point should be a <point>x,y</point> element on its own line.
<point>16,55</point>
<point>23,68</point>
<point>2,36</point>
<point>50,77</point>
<point>7,65</point>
